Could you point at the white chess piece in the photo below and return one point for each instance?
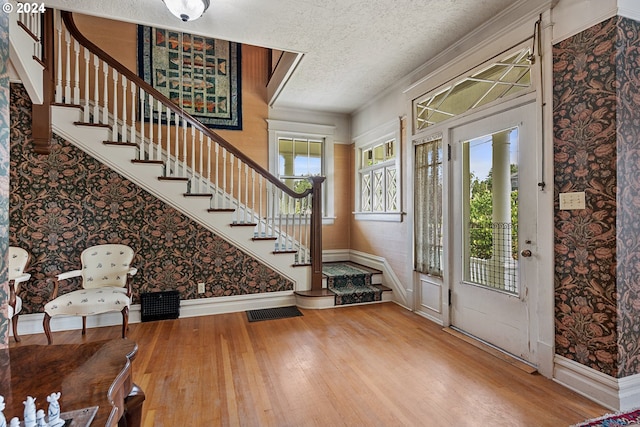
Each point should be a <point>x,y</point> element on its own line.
<point>40,422</point>
<point>3,420</point>
<point>15,422</point>
<point>54,410</point>
<point>30,412</point>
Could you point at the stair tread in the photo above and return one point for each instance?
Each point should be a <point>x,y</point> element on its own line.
<point>197,195</point>
<point>96,125</point>
<point>173,178</point>
<point>243,224</point>
<point>316,293</point>
<point>221,210</point>
<point>264,238</point>
<point>121,143</point>
<point>149,162</point>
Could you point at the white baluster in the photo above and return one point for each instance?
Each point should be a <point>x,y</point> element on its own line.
<point>192,165</point>
<point>231,158</point>
<point>132,129</point>
<point>87,105</point>
<point>96,110</point>
<point>105,93</point>
<point>76,72</point>
<point>114,129</point>
<point>253,196</point>
<point>200,168</point>
<point>224,177</point>
<point>208,164</point>
<point>67,71</point>
<point>260,191</point>
<point>59,88</point>
<point>151,127</point>
<point>184,148</point>
<point>142,123</point>
<point>176,125</point>
<point>167,163</point>
<point>158,144</point>
<point>279,212</point>
<point>239,213</point>
<point>125,118</point>
<point>216,201</point>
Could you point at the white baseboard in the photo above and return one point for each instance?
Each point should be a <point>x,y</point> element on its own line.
<point>618,394</point>
<point>335,255</point>
<point>389,277</point>
<point>32,323</point>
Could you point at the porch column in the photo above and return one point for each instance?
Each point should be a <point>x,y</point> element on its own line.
<point>501,182</point>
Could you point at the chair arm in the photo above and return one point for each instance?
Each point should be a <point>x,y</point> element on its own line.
<point>22,278</point>
<point>132,271</point>
<point>69,274</point>
<point>54,293</point>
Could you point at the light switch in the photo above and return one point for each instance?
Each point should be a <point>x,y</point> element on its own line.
<point>569,201</point>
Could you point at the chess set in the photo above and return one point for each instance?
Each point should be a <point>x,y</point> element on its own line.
<point>54,418</point>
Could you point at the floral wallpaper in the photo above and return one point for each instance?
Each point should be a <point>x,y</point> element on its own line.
<point>595,150</point>
<point>4,177</point>
<point>628,224</point>
<point>66,201</point>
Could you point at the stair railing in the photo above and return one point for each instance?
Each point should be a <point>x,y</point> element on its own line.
<point>113,96</point>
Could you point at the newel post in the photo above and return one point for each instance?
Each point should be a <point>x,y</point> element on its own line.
<point>316,233</point>
<point>41,131</point>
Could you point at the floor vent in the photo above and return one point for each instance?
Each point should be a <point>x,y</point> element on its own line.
<point>273,313</point>
<point>159,305</point>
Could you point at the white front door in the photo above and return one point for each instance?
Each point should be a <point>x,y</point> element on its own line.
<point>494,203</point>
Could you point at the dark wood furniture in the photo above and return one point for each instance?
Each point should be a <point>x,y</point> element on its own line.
<point>90,374</point>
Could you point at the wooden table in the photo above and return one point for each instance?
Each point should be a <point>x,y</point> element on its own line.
<point>90,374</point>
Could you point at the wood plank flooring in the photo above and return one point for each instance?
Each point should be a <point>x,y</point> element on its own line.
<point>371,365</point>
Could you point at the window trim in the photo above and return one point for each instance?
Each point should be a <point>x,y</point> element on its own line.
<point>287,129</point>
<point>385,132</point>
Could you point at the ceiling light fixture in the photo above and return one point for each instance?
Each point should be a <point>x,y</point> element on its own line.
<point>187,10</point>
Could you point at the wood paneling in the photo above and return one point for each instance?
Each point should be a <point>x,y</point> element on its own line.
<point>336,235</point>
<point>377,365</point>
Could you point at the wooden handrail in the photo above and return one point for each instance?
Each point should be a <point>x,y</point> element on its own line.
<point>73,29</point>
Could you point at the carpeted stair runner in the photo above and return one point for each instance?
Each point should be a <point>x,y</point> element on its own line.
<point>352,285</point>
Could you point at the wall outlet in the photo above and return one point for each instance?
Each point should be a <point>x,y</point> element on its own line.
<point>201,288</point>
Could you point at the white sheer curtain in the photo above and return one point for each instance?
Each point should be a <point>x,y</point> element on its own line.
<point>428,207</point>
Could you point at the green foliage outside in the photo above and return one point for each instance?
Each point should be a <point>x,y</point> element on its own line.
<point>480,217</point>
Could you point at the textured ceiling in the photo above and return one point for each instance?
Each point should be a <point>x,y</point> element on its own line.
<point>353,49</point>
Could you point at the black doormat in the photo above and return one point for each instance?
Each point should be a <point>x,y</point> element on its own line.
<point>273,313</point>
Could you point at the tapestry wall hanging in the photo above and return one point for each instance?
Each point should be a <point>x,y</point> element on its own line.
<point>200,74</point>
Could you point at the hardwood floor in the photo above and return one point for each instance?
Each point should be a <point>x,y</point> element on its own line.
<point>372,365</point>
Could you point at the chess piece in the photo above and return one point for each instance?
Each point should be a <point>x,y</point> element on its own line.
<point>30,412</point>
<point>3,420</point>
<point>15,422</point>
<point>40,422</point>
<point>54,410</point>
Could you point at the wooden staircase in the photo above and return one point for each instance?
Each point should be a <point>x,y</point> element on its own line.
<point>98,104</point>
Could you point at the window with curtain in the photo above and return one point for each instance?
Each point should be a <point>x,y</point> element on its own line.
<point>428,207</point>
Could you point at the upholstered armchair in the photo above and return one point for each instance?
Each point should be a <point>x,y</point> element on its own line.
<point>106,287</point>
<point>18,262</point>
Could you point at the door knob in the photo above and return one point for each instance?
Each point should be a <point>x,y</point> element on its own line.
<point>526,253</point>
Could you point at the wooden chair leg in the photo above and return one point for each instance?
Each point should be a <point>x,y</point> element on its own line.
<point>47,328</point>
<point>84,325</point>
<point>14,323</point>
<point>125,321</point>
